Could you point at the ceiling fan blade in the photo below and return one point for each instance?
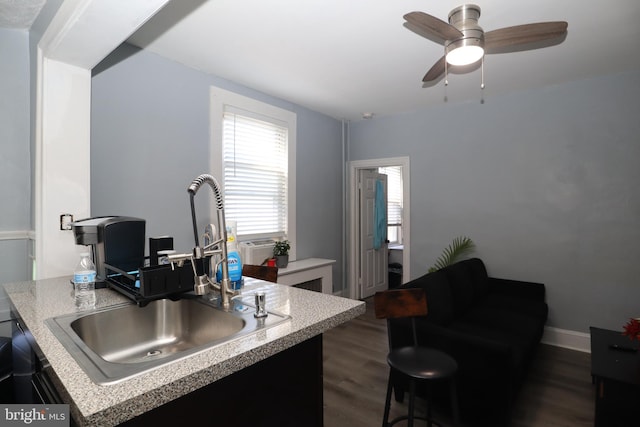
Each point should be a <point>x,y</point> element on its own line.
<point>436,71</point>
<point>523,34</point>
<point>432,25</point>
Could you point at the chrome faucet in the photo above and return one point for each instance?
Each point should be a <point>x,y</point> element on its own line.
<point>201,255</point>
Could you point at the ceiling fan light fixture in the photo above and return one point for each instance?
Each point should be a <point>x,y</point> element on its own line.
<point>469,48</point>
<point>464,51</point>
<point>464,40</point>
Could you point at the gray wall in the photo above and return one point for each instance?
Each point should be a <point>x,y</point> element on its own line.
<point>545,182</point>
<point>150,138</point>
<point>15,161</point>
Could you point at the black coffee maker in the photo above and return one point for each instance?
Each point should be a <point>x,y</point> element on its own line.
<point>117,243</point>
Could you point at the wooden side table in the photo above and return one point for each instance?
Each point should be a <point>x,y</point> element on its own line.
<point>615,368</point>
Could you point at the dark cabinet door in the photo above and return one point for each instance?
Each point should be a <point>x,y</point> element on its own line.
<point>284,390</point>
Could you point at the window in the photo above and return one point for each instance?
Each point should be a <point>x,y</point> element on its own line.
<point>255,175</point>
<point>394,202</point>
<point>253,158</point>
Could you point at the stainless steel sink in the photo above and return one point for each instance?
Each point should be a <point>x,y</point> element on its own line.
<point>126,340</point>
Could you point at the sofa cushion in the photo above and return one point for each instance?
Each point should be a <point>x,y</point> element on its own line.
<point>461,283</point>
<point>524,306</point>
<point>478,273</point>
<point>520,344</point>
<point>439,299</point>
<point>510,322</point>
<point>520,329</point>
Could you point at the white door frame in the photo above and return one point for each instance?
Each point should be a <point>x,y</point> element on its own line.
<point>80,35</point>
<point>354,167</point>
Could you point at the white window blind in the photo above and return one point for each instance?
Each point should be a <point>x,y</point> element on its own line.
<point>255,174</point>
<point>394,194</point>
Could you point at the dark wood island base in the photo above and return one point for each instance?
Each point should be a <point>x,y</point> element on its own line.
<point>282,390</point>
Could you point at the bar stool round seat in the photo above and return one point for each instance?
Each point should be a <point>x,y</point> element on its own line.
<point>422,363</point>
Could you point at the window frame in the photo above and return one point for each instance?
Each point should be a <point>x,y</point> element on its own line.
<point>219,98</point>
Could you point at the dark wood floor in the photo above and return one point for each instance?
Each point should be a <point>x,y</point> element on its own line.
<point>558,392</point>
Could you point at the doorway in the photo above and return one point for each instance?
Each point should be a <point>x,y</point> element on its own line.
<point>355,168</point>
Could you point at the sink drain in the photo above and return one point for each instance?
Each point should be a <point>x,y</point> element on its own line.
<point>153,353</point>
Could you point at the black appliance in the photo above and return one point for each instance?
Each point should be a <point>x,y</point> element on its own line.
<point>118,247</point>
<point>117,243</point>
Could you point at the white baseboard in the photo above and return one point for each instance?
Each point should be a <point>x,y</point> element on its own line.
<point>565,338</point>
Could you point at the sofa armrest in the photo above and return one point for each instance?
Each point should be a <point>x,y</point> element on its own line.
<point>517,288</point>
<point>448,340</point>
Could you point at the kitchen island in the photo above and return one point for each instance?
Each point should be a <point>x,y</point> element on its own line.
<point>198,378</point>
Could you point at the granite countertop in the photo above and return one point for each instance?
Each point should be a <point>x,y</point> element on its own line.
<point>312,313</point>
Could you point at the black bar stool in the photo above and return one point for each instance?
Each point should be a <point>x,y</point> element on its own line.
<point>416,362</point>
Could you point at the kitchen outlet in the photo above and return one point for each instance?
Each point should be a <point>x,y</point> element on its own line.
<point>65,221</point>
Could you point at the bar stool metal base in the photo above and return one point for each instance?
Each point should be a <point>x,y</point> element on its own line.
<point>419,363</point>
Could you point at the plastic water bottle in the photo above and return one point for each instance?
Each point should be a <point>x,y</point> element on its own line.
<point>84,280</point>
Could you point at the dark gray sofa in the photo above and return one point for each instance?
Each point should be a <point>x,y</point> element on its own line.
<point>492,328</point>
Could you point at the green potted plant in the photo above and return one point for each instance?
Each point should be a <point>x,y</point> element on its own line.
<point>281,253</point>
<point>460,247</point>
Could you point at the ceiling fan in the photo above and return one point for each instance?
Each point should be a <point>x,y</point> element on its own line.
<point>465,42</point>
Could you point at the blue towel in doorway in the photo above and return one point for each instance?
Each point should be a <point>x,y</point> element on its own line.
<point>379,217</point>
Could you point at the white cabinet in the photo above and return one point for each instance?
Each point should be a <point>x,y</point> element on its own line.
<point>308,270</point>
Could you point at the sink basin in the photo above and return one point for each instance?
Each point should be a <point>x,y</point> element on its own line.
<point>122,341</point>
<point>160,329</point>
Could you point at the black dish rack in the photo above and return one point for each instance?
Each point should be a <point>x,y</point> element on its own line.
<point>151,283</point>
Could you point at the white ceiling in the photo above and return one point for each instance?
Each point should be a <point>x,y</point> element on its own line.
<point>347,57</point>
<point>19,14</point>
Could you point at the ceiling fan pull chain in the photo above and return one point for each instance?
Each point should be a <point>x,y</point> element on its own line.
<point>446,74</point>
<point>482,74</point>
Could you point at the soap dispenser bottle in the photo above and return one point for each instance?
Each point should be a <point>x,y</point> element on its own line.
<point>234,262</point>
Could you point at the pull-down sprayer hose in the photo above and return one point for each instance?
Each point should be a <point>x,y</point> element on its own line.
<point>193,189</point>
<point>201,281</point>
